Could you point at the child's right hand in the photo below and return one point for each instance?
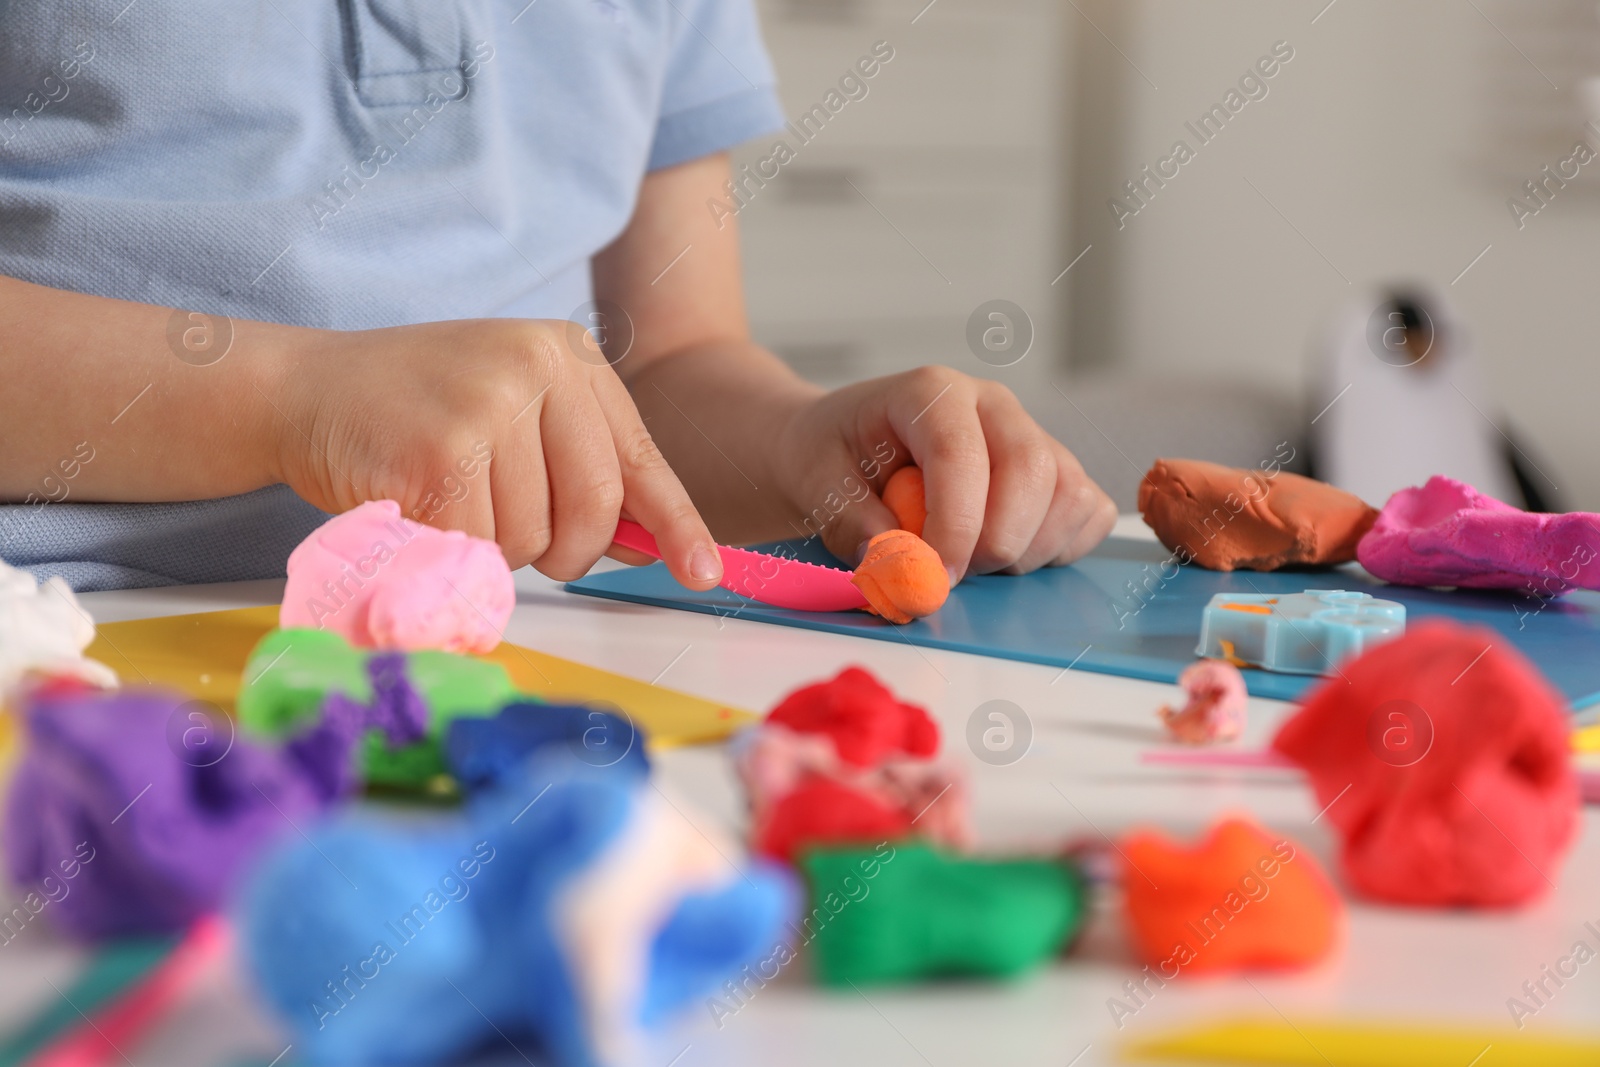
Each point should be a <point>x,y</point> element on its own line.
<point>400,413</point>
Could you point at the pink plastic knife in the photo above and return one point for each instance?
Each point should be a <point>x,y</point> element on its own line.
<point>782,583</point>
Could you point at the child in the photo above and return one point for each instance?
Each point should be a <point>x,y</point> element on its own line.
<point>273,256</point>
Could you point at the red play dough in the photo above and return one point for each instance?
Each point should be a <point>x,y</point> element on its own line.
<point>904,494</point>
<point>1443,760</point>
<point>845,763</point>
<point>1240,898</point>
<point>866,722</point>
<point>822,811</point>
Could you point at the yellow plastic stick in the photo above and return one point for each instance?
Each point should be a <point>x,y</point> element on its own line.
<point>204,655</point>
<point>1586,738</point>
<point>1335,1043</point>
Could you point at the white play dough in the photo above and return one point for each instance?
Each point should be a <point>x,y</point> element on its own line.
<point>44,629</point>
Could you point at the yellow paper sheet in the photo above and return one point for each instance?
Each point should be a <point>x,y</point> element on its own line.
<point>1359,1044</point>
<point>204,655</point>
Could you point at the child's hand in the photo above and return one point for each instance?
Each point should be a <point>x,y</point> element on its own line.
<point>554,445</point>
<point>1002,494</point>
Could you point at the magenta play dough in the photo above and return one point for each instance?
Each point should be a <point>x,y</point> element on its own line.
<point>382,581</point>
<point>1447,533</point>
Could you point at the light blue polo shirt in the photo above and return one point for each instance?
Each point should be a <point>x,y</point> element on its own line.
<point>335,163</point>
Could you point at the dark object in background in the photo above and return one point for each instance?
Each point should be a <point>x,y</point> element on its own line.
<point>1537,492</point>
<point>1396,398</point>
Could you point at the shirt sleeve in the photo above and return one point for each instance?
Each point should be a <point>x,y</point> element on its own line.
<point>720,88</point>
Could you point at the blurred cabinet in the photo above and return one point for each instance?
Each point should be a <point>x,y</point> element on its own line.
<point>934,188</point>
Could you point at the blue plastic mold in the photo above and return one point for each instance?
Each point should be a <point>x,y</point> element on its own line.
<point>1297,633</point>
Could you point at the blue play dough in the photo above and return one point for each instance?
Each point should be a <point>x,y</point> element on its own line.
<point>1127,609</point>
<point>482,752</point>
<point>462,907</point>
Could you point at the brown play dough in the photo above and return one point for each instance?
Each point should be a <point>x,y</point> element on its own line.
<point>1228,519</point>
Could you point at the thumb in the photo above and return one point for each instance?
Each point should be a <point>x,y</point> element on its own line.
<point>860,521</point>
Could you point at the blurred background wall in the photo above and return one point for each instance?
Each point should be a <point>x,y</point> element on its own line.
<point>980,161</point>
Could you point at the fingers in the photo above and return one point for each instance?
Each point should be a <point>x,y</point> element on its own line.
<point>585,481</point>
<point>1099,514</point>
<point>629,556</point>
<point>846,534</point>
<point>1022,480</point>
<point>654,496</point>
<point>455,499</point>
<point>934,412</point>
<point>1002,494</point>
<point>1079,518</point>
<point>521,488</point>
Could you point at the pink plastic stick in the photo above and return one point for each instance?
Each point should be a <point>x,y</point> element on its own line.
<point>1588,780</point>
<point>100,1040</point>
<point>1216,757</point>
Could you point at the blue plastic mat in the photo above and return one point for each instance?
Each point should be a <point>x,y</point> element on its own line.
<point>1126,610</point>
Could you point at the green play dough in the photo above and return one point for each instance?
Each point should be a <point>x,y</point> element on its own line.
<point>291,672</point>
<point>907,910</point>
<point>288,674</point>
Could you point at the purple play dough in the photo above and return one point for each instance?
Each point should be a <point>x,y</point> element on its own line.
<point>1448,533</point>
<point>171,820</point>
<point>397,709</point>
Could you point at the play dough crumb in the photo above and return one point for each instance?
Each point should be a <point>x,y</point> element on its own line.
<point>1215,711</point>
<point>902,577</point>
<point>904,495</point>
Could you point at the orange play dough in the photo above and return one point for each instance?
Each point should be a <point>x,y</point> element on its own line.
<point>902,577</point>
<point>1240,899</point>
<point>1227,519</point>
<point>904,495</point>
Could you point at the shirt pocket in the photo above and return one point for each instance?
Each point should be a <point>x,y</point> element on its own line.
<point>399,50</point>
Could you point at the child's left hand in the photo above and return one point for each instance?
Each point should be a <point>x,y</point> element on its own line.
<point>1002,494</point>
<point>765,455</point>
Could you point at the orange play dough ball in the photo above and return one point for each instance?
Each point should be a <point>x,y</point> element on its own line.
<point>1239,899</point>
<point>904,495</point>
<point>902,577</point>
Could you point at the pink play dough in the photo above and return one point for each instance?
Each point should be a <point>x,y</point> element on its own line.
<point>1447,533</point>
<point>1216,707</point>
<point>382,581</point>
<point>786,771</point>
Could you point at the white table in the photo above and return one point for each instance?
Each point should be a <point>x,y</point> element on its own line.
<point>1081,777</point>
